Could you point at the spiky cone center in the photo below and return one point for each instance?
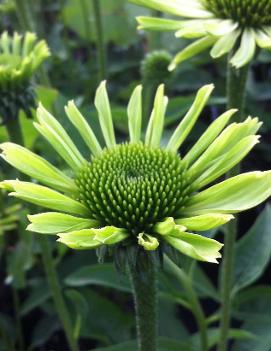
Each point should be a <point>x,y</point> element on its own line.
<point>248,13</point>
<point>133,186</point>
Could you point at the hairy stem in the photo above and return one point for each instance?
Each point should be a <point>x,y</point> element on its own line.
<point>195,305</point>
<point>100,39</point>
<point>59,301</point>
<point>236,92</point>
<point>145,299</point>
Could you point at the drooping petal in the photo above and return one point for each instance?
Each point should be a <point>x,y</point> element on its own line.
<point>195,246</point>
<point>149,242</point>
<point>246,51</point>
<point>167,226</point>
<point>134,112</point>
<point>191,29</point>
<point>159,24</point>
<point>263,40</point>
<point>83,128</point>
<point>79,240</point>
<point>225,44</point>
<point>218,27</point>
<point>35,166</point>
<point>55,222</point>
<point>105,116</point>
<point>156,122</point>
<point>183,8</point>
<point>56,135</point>
<point>191,50</point>
<point>209,136</point>
<point>233,195</point>
<point>226,161</point>
<point>205,221</point>
<point>45,197</point>
<point>190,118</point>
<point>109,235</point>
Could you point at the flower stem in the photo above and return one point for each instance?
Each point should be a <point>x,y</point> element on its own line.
<point>13,127</point>
<point>236,93</point>
<point>100,39</point>
<point>145,299</point>
<point>18,323</point>
<point>195,305</point>
<point>60,304</point>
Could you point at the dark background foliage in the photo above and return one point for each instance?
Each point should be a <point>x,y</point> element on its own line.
<point>99,299</point>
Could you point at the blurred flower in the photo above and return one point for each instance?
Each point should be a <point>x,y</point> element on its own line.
<point>138,194</point>
<point>20,57</point>
<point>224,25</point>
<point>154,67</point>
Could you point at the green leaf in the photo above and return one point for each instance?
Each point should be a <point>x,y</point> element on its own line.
<point>233,195</point>
<point>190,118</point>
<point>98,274</point>
<point>35,298</point>
<point>54,222</point>
<point>253,252</point>
<point>43,330</point>
<point>134,112</point>
<point>105,116</point>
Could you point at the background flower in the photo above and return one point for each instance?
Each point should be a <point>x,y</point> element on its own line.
<point>241,25</point>
<point>140,193</point>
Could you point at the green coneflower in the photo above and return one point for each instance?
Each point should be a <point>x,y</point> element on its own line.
<point>20,57</point>
<point>220,24</point>
<point>138,193</point>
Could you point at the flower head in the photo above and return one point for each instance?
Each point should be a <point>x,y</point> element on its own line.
<point>224,25</point>
<point>20,57</point>
<point>139,194</point>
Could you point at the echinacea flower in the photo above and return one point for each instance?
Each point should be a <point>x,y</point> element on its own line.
<point>224,25</point>
<point>139,193</point>
<point>20,57</point>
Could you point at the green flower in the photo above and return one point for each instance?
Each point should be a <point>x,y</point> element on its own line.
<point>224,25</point>
<point>139,194</point>
<point>20,57</point>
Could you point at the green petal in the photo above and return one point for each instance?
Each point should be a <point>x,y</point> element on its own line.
<point>183,8</point>
<point>219,27</point>
<point>246,51</point>
<point>28,43</point>
<point>150,243</point>
<point>83,128</point>
<point>156,122</point>
<point>226,161</point>
<point>105,117</point>
<point>56,135</point>
<point>263,40</point>
<point>39,54</point>
<point>35,166</point>
<point>16,44</point>
<point>55,222</point>
<point>43,196</point>
<point>192,50</point>
<point>80,239</point>
<point>195,246</point>
<point>134,112</point>
<point>204,222</point>
<point>166,226</point>
<point>209,136</point>
<point>223,143</point>
<point>109,235</point>
<point>232,195</point>
<point>191,29</point>
<point>5,43</point>
<point>225,44</point>
<point>190,118</point>
<point>159,24</point>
